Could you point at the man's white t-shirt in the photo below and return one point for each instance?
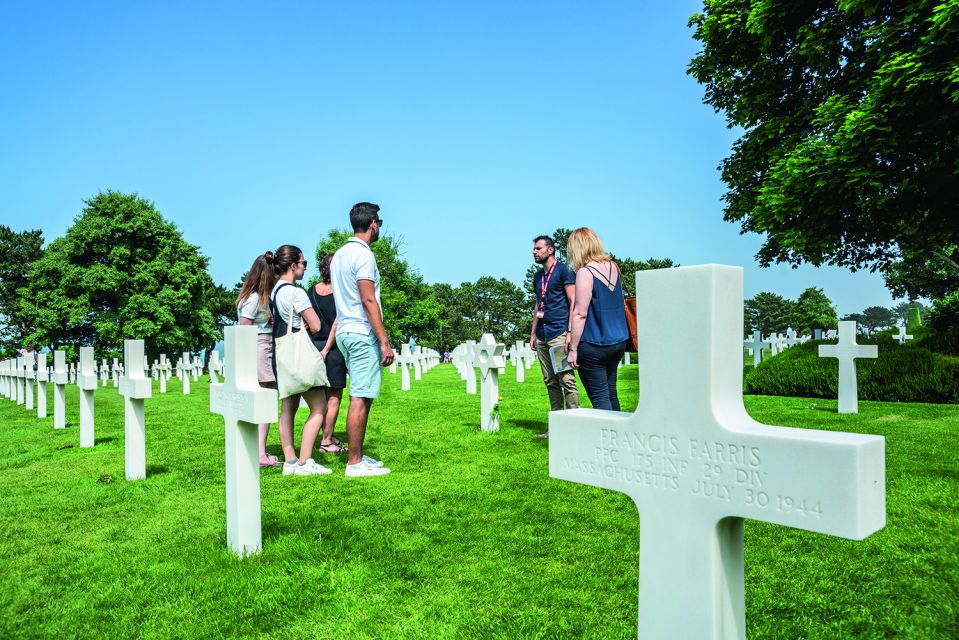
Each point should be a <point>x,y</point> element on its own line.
<point>287,296</point>
<point>259,315</point>
<point>351,263</point>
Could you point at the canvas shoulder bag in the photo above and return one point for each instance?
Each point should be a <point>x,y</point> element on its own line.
<point>299,366</point>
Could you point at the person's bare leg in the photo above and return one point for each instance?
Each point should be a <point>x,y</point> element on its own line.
<point>316,401</point>
<point>264,434</point>
<point>288,407</point>
<point>333,399</point>
<point>356,417</point>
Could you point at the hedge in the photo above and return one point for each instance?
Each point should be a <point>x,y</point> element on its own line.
<point>900,374</point>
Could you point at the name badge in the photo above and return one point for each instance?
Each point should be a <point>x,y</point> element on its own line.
<point>540,314</point>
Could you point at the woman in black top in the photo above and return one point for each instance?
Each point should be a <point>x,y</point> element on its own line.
<point>321,297</point>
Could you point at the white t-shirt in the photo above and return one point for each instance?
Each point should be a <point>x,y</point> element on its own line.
<point>353,262</point>
<point>259,315</point>
<point>287,296</point>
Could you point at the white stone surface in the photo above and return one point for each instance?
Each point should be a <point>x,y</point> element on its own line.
<point>244,405</point>
<point>60,380</point>
<point>87,382</point>
<point>405,359</point>
<point>847,351</point>
<point>184,367</point>
<point>28,380</point>
<point>469,357</point>
<point>42,379</point>
<point>696,464</point>
<point>902,336</point>
<point>488,358</point>
<point>134,387</point>
<point>164,372</point>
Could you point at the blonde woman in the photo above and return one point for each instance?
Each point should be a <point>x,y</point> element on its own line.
<point>599,330</point>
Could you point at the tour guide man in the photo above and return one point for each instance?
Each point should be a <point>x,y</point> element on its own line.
<point>554,285</point>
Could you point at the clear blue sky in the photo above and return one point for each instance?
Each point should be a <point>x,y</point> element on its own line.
<point>475,126</point>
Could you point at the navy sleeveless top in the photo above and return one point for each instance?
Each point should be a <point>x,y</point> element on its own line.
<point>606,318</point>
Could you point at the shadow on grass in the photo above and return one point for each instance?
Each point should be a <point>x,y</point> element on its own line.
<point>156,469</point>
<point>539,426</point>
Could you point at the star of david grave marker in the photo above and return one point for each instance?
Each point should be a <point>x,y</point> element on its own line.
<point>244,405</point>
<point>696,464</point>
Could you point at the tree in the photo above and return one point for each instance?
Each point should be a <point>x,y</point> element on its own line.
<point>910,313</point>
<point>769,312</point>
<point>814,310</point>
<point>121,272</point>
<point>221,303</point>
<point>860,321</point>
<point>18,250</point>
<point>877,318</point>
<point>850,125</point>
<point>409,308</point>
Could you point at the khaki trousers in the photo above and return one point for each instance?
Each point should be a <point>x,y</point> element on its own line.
<point>562,387</point>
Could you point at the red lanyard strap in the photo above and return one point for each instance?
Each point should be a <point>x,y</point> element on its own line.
<point>546,277</point>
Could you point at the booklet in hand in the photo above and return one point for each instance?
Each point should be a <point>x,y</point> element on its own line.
<point>557,355</point>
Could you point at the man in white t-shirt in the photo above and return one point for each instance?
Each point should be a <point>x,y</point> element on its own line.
<point>360,334</point>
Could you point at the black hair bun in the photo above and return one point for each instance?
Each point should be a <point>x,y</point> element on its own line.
<point>268,256</point>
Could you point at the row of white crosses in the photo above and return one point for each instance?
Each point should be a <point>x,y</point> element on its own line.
<point>774,343</point>
<point>697,465</point>
<point>416,357</point>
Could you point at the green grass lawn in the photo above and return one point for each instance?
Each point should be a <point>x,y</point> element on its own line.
<point>468,538</point>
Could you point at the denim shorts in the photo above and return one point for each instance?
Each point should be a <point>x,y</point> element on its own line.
<point>363,357</point>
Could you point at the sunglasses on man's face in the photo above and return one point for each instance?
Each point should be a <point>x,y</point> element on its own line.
<point>304,263</point>
<point>379,221</point>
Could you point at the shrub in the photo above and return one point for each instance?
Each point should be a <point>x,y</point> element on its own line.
<point>900,374</point>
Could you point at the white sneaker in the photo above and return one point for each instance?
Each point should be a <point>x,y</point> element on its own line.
<point>289,469</point>
<point>310,468</point>
<point>373,462</point>
<point>363,468</point>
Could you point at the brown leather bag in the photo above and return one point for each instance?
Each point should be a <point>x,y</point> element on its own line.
<point>629,304</point>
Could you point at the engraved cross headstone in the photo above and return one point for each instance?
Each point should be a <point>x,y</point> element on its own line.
<point>28,378</point>
<point>184,368</point>
<point>847,350</point>
<point>164,372</point>
<point>60,379</point>
<point>244,404</point>
<point>488,358</point>
<point>134,387</point>
<point>696,464</point>
<point>404,361</point>
<point>87,381</point>
<point>469,354</point>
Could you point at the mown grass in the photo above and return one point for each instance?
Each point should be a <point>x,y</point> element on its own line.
<point>468,538</point>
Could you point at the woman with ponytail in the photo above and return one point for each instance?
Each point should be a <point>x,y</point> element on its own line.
<point>289,266</point>
<point>253,308</point>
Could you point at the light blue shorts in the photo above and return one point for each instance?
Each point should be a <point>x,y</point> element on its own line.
<point>363,357</point>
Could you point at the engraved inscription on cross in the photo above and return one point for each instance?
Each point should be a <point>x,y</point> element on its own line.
<point>244,404</point>
<point>696,464</point>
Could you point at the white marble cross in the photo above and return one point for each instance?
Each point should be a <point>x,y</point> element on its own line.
<point>28,378</point>
<point>214,366</point>
<point>847,350</point>
<point>87,381</point>
<point>696,464</point>
<point>244,404</point>
<point>60,380</point>
<point>115,372</point>
<point>184,367</point>
<point>104,372</point>
<point>134,387</point>
<point>469,358</point>
<point>488,358</point>
<point>164,372</point>
<point>902,336</point>
<point>757,346</point>
<point>43,376</point>
<point>404,360</point>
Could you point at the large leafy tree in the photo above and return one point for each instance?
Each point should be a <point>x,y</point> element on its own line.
<point>121,272</point>
<point>18,250</point>
<point>814,310</point>
<point>769,312</point>
<point>409,308</point>
<point>849,111</point>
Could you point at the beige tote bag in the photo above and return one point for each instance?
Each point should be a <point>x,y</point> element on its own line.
<point>299,366</point>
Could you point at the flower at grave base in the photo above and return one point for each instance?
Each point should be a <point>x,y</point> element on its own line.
<point>499,398</point>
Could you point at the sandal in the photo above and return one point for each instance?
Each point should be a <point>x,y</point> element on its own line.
<point>272,463</point>
<point>333,447</point>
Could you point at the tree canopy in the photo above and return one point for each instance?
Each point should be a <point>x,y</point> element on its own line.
<point>18,250</point>
<point>850,118</point>
<point>120,272</point>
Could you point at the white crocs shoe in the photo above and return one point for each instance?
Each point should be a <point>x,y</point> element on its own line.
<point>363,468</point>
